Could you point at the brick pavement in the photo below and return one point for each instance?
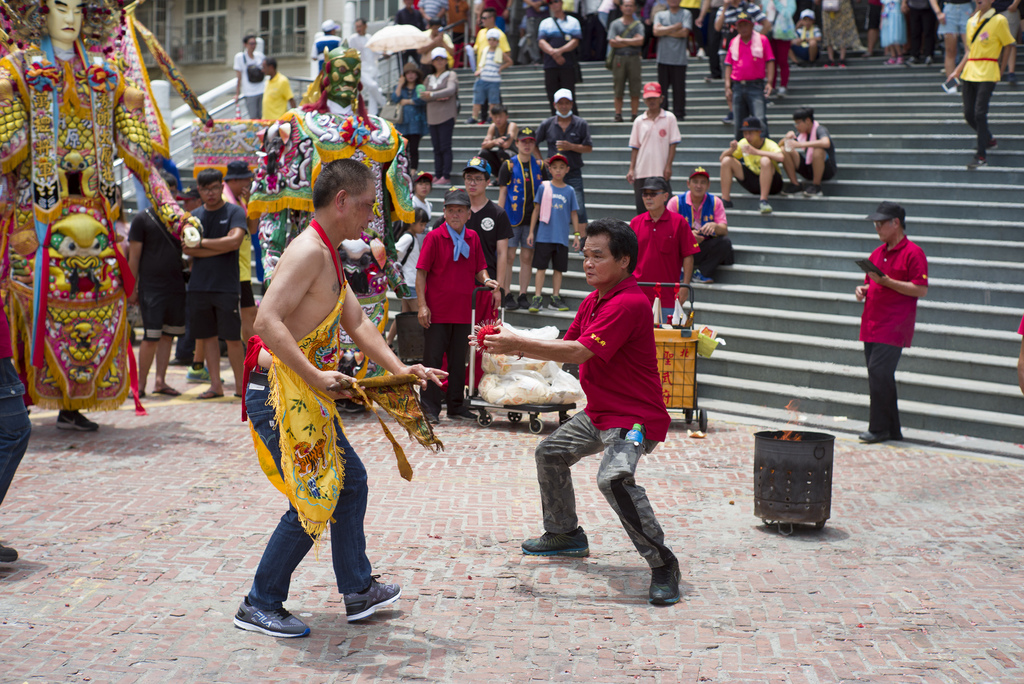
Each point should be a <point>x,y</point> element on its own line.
<point>138,542</point>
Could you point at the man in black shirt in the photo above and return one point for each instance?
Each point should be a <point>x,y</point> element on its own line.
<point>154,257</point>
<point>213,286</point>
<point>492,225</point>
<point>568,135</point>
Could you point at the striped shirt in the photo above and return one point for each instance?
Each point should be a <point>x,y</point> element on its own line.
<point>489,67</point>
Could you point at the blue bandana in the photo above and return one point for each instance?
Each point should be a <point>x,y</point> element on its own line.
<point>461,246</point>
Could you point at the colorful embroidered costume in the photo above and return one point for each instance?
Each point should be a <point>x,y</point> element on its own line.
<point>336,126</point>
<point>67,112</point>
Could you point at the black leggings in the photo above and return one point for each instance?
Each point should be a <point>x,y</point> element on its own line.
<point>441,137</point>
<point>412,150</point>
<point>921,29</point>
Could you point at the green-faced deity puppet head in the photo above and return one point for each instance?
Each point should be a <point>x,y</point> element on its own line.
<point>341,81</point>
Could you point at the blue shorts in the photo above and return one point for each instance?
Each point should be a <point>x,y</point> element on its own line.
<point>412,293</point>
<point>519,235</point>
<point>488,92</point>
<point>801,52</point>
<point>956,18</point>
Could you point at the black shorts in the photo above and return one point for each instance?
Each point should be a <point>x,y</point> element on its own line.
<point>752,182</point>
<point>246,299</point>
<point>874,18</point>
<point>807,171</point>
<point>163,313</point>
<point>214,314</point>
<point>553,253</point>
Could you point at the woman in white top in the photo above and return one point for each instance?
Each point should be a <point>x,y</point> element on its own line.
<point>408,249</point>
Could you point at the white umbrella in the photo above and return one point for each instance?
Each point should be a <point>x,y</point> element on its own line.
<point>397,38</point>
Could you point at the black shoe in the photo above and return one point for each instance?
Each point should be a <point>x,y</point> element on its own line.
<point>572,544</point>
<point>618,118</point>
<point>727,204</point>
<point>7,554</point>
<point>791,188</point>
<point>524,302</point>
<point>812,191</point>
<point>349,406</point>
<point>73,420</point>
<point>464,414</point>
<point>180,362</point>
<point>873,437</point>
<point>664,589</point>
<point>510,302</point>
<point>364,603</point>
<point>276,623</point>
<point>432,418</point>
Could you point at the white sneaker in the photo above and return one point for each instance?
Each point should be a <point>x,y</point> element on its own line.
<point>781,92</point>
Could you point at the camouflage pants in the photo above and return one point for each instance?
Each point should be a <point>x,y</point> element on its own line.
<point>615,478</point>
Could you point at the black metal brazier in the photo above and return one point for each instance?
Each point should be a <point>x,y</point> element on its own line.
<point>793,476</point>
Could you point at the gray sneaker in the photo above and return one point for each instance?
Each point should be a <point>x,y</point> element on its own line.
<point>573,544</point>
<point>377,595</point>
<point>536,304</point>
<point>276,623</point>
<point>558,304</point>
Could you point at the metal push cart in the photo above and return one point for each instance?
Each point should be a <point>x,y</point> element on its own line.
<point>515,411</point>
<point>677,363</point>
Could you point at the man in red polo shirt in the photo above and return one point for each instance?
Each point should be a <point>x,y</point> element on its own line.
<point>890,307</point>
<point>451,263</point>
<point>667,244</point>
<point>613,341</point>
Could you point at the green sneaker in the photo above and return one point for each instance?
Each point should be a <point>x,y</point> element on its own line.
<point>536,304</point>
<point>558,304</point>
<point>197,376</point>
<point>566,544</point>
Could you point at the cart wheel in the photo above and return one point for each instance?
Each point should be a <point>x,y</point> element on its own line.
<point>484,418</point>
<point>536,425</point>
<point>688,415</point>
<point>563,418</point>
<point>514,417</point>
<point>702,420</point>
<point>820,524</point>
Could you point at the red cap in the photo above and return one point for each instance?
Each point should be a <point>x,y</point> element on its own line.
<point>558,157</point>
<point>652,90</point>
<point>424,177</point>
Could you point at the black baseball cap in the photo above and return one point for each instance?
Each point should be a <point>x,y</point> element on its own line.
<point>888,210</point>
<point>237,169</point>
<point>752,123</point>
<point>457,196</point>
<point>656,183</point>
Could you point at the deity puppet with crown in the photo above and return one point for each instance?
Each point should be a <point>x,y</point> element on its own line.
<point>334,125</point>
<point>67,113</point>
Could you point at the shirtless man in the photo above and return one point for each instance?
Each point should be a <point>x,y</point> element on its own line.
<point>301,308</point>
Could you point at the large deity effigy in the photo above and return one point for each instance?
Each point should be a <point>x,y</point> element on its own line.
<point>334,125</point>
<point>68,111</point>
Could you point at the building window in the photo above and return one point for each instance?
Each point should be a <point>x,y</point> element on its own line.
<point>205,31</point>
<point>283,27</point>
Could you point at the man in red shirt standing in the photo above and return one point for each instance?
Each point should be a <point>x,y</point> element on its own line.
<point>613,341</point>
<point>890,307</point>
<point>451,263</point>
<point>667,244</point>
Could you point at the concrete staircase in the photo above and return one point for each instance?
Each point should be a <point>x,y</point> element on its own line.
<point>787,307</point>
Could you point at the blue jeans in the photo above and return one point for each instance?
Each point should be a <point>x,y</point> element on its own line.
<point>574,179</point>
<point>748,100</point>
<point>289,544</point>
<point>486,92</point>
<point>15,426</point>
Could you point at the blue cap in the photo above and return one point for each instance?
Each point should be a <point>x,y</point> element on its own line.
<point>478,164</point>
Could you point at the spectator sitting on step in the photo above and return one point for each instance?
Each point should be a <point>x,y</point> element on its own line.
<point>625,38</point>
<point>754,162</point>
<point>808,151</point>
<point>487,88</point>
<point>518,180</point>
<point>499,143</point>
<point>653,144</point>
<point>749,71</point>
<point>569,135</point>
<point>804,48</point>
<point>554,211</point>
<point>667,244</point>
<point>706,216</point>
